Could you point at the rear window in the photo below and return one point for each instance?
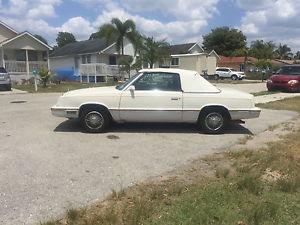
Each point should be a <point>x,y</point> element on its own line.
<point>2,70</point>
<point>290,70</point>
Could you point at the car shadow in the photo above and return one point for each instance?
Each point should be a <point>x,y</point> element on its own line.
<point>74,126</point>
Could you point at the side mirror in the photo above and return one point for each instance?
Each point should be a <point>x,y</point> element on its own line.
<point>131,88</point>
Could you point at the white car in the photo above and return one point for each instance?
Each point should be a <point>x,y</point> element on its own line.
<point>157,95</point>
<point>224,72</point>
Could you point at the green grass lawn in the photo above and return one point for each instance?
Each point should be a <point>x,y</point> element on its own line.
<point>265,93</point>
<point>62,87</point>
<point>243,187</point>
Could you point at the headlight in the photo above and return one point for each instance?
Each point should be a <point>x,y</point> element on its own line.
<point>293,82</point>
<point>269,81</point>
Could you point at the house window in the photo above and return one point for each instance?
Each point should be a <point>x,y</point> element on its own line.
<point>32,56</point>
<point>86,59</point>
<point>20,55</point>
<point>83,59</point>
<point>175,62</point>
<point>112,60</point>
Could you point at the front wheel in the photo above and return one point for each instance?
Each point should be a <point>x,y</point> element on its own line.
<point>213,121</point>
<point>234,77</point>
<point>94,120</point>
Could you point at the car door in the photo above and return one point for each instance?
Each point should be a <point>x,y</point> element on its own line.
<point>226,73</point>
<point>157,97</point>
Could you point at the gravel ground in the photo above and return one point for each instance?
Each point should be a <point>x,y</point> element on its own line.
<point>48,165</point>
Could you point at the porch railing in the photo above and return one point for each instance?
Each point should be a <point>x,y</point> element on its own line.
<point>98,69</point>
<point>20,66</point>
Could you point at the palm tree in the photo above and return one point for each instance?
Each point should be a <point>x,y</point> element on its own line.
<point>155,51</point>
<point>283,51</point>
<point>117,31</point>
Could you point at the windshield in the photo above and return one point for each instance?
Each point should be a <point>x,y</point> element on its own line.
<point>123,85</point>
<point>290,70</point>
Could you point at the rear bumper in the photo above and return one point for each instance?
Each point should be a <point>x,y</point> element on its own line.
<point>239,114</point>
<point>71,113</point>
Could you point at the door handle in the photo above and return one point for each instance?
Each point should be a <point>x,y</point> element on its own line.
<point>175,98</point>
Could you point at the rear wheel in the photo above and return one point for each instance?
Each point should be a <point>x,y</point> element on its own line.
<point>213,121</point>
<point>216,77</point>
<point>94,120</point>
<point>234,77</point>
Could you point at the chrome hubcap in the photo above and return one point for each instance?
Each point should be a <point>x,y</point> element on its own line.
<point>214,121</point>
<point>94,120</point>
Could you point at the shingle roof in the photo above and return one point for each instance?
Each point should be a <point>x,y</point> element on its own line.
<point>181,49</point>
<point>81,47</point>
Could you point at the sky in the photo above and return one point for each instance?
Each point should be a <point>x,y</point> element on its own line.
<point>177,21</point>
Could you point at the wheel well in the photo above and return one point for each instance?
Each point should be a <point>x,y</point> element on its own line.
<point>94,106</point>
<point>218,108</point>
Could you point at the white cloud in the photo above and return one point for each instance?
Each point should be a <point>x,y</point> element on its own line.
<point>272,20</point>
<point>78,26</point>
<point>183,19</point>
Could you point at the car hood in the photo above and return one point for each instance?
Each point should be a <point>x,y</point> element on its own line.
<point>283,77</point>
<point>92,91</point>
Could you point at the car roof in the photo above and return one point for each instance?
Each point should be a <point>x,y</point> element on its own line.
<point>191,81</point>
<point>168,70</point>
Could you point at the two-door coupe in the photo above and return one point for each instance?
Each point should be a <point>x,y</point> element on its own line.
<point>157,95</point>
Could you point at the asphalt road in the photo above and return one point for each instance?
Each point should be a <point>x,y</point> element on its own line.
<point>48,165</point>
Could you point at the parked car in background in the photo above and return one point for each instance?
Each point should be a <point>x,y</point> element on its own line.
<point>158,95</point>
<point>287,78</point>
<point>224,72</point>
<point>5,81</point>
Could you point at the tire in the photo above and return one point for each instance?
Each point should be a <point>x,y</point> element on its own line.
<point>216,77</point>
<point>234,77</point>
<point>94,120</point>
<point>213,121</point>
<point>8,87</point>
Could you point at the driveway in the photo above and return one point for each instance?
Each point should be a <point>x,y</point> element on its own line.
<point>48,165</point>
<point>250,88</point>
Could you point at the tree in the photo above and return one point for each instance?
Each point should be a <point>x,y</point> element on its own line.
<point>283,52</point>
<point>154,51</point>
<point>297,55</point>
<point>262,50</point>
<point>42,39</point>
<point>64,38</point>
<point>45,76</point>
<point>224,40</point>
<point>117,31</point>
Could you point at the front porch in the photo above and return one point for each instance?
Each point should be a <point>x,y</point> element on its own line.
<point>23,62</point>
<point>98,72</point>
<point>23,54</point>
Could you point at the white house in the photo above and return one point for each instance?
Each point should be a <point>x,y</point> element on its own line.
<point>191,56</point>
<point>21,53</point>
<point>90,61</point>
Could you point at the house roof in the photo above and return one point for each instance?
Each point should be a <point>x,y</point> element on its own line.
<point>8,27</point>
<point>82,47</point>
<point>235,59</point>
<point>181,48</point>
<point>23,34</point>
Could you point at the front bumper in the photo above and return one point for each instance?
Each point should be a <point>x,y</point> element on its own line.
<point>71,113</point>
<point>238,114</point>
<point>5,82</point>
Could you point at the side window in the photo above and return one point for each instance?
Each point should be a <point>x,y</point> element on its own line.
<point>158,81</point>
<point>226,70</point>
